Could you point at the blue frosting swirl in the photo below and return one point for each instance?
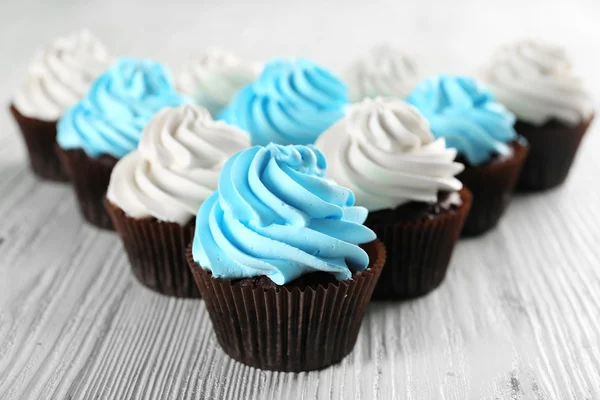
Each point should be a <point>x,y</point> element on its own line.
<point>120,102</point>
<point>467,115</point>
<point>276,214</point>
<point>292,102</point>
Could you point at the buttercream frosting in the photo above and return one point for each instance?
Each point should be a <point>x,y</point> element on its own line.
<point>176,165</point>
<point>465,113</point>
<point>214,78</point>
<point>384,151</point>
<point>119,104</point>
<point>384,71</point>
<point>292,102</point>
<point>535,80</point>
<point>60,75</point>
<point>275,214</point>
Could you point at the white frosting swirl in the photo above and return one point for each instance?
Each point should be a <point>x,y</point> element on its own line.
<point>384,71</point>
<point>176,165</point>
<point>535,81</point>
<point>61,75</point>
<point>384,151</point>
<point>214,78</point>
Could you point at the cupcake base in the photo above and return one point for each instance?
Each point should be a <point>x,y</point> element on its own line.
<point>492,186</point>
<point>552,149</point>
<point>90,177</point>
<point>40,140</point>
<point>156,252</point>
<point>419,248</point>
<point>305,325</point>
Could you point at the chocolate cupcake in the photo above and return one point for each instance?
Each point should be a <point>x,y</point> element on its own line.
<point>156,190</point>
<point>384,151</point>
<point>292,102</point>
<point>282,260</point>
<point>106,125</point>
<point>212,79</point>
<point>535,81</point>
<point>58,77</point>
<point>384,71</point>
<point>466,114</point>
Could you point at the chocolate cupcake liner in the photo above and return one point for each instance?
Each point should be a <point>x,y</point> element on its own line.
<point>89,177</point>
<point>289,328</point>
<point>40,140</point>
<point>552,149</point>
<point>418,251</point>
<point>156,252</point>
<point>492,186</point>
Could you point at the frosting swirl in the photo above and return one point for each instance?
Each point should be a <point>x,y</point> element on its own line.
<point>467,115</point>
<point>292,102</point>
<point>214,78</point>
<point>110,118</point>
<point>384,151</point>
<point>275,214</point>
<point>176,166</point>
<point>60,76</point>
<point>384,71</point>
<point>535,81</point>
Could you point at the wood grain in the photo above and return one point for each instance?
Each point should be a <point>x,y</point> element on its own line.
<point>517,318</point>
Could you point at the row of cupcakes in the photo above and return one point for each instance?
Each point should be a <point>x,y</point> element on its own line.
<point>281,237</point>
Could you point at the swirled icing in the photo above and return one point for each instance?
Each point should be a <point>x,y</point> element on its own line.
<point>214,78</point>
<point>535,81</point>
<point>292,102</point>
<point>275,214</point>
<point>60,75</point>
<point>384,71</point>
<point>119,104</point>
<point>384,151</point>
<point>176,165</point>
<point>467,115</point>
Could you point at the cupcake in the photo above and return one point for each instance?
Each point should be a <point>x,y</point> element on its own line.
<point>292,102</point>
<point>58,77</point>
<point>283,261</point>
<point>383,150</point>
<point>214,78</point>
<point>156,190</point>
<point>384,71</point>
<point>467,115</point>
<point>536,82</point>
<point>106,125</point>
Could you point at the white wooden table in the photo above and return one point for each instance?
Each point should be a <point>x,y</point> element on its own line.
<point>517,318</point>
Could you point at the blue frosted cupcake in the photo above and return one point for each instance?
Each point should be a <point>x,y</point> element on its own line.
<point>292,102</point>
<point>106,125</point>
<point>465,113</point>
<point>287,246</point>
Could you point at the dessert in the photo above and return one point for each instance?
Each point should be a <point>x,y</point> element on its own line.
<point>155,192</point>
<point>106,125</point>
<point>384,151</point>
<point>535,81</point>
<point>466,114</point>
<point>284,264</point>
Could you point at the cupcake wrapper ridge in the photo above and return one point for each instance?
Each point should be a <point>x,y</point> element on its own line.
<point>418,252</point>
<point>552,149</point>
<point>492,187</point>
<point>89,177</point>
<point>289,329</point>
<point>156,252</point>
<point>40,140</point>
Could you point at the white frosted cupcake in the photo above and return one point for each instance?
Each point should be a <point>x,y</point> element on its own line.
<point>58,77</point>
<point>214,78</point>
<point>384,151</point>
<point>384,71</point>
<point>156,191</point>
<point>536,82</point>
